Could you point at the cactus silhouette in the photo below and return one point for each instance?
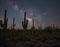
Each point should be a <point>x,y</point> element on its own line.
<point>33,27</point>
<point>40,27</point>
<point>1,24</point>
<point>13,23</point>
<point>5,20</point>
<point>25,22</point>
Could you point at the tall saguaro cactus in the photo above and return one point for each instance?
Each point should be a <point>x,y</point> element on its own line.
<point>13,23</point>
<point>5,20</point>
<point>25,22</point>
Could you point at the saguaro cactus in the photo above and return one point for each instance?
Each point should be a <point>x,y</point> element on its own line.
<point>5,20</point>
<point>40,27</point>
<point>13,23</point>
<point>33,27</point>
<point>53,26</point>
<point>1,24</point>
<point>25,22</point>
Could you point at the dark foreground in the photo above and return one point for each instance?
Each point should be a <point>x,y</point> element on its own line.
<point>29,38</point>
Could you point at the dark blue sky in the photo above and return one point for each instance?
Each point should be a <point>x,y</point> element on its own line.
<point>43,11</point>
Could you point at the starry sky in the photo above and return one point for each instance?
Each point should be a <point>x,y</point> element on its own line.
<point>44,12</point>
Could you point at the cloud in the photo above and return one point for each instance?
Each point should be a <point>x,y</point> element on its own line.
<point>29,19</point>
<point>30,12</point>
<point>29,22</point>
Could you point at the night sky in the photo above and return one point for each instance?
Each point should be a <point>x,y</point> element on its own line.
<point>44,12</point>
